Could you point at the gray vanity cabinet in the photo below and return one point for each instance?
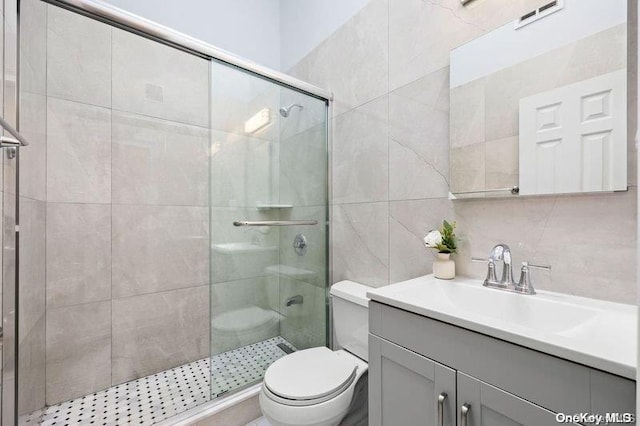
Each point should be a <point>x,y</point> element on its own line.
<point>408,389</point>
<point>487,405</point>
<point>413,359</point>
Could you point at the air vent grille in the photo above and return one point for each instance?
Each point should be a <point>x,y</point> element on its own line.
<point>539,13</point>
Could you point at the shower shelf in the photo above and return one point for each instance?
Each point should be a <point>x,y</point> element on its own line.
<point>244,248</point>
<point>262,207</point>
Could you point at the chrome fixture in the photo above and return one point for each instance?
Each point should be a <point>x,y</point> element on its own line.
<point>275,222</point>
<point>525,285</point>
<point>441,398</point>
<point>514,190</point>
<point>502,252</point>
<point>294,300</point>
<point>285,111</point>
<point>300,245</point>
<point>10,142</point>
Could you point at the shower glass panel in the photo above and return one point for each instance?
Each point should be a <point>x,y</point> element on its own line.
<point>138,295</point>
<point>268,163</point>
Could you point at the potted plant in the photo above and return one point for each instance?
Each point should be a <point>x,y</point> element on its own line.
<point>443,240</point>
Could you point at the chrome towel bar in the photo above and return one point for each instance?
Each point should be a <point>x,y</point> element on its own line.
<point>275,223</point>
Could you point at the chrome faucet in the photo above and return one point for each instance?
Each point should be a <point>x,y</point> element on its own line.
<point>502,253</point>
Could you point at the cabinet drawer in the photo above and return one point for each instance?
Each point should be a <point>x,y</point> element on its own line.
<point>547,381</point>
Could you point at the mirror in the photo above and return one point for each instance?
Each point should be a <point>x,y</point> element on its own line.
<point>540,104</point>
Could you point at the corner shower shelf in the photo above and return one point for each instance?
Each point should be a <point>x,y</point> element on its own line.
<point>262,207</point>
<point>242,248</point>
<point>291,272</point>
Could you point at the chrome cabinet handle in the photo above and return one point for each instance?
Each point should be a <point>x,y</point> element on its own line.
<point>464,414</point>
<point>441,399</point>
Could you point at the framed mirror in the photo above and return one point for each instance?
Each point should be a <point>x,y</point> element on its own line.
<point>539,105</point>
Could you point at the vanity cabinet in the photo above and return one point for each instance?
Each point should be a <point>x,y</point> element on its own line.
<point>487,405</point>
<point>414,359</point>
<point>408,389</point>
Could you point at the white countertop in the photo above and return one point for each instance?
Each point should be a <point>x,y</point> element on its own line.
<point>592,332</point>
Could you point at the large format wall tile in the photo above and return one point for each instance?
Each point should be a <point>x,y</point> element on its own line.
<point>78,152</point>
<point>158,248</point>
<point>418,138</point>
<point>156,332</point>
<point>361,243</point>
<point>409,222</point>
<point>353,62</point>
<point>360,146</point>
<point>32,266</point>
<point>589,240</point>
<point>33,161</point>
<point>153,79</point>
<point>78,350</point>
<point>423,32</point>
<point>159,162</point>
<point>78,254</point>
<point>241,170</point>
<point>33,47</point>
<point>31,369</point>
<point>78,58</point>
<point>303,168</point>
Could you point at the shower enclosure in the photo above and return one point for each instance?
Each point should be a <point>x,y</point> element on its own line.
<point>173,214</point>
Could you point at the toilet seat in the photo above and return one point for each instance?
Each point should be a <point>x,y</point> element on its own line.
<point>310,376</point>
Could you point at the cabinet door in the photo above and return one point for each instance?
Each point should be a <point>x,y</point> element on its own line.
<point>408,389</point>
<point>487,405</point>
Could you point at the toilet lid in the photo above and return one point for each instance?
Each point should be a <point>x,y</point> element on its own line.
<point>310,374</point>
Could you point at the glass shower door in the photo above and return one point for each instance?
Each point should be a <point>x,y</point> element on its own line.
<point>268,180</point>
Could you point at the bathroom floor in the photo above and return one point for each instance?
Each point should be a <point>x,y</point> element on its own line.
<point>151,399</point>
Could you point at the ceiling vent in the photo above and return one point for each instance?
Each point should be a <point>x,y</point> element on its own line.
<point>539,13</point>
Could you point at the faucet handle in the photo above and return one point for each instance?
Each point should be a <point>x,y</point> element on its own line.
<point>525,284</point>
<point>491,270</point>
<point>530,265</point>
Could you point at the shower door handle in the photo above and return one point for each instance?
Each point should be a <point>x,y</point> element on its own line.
<point>275,223</point>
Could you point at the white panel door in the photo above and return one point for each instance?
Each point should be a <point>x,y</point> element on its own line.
<point>574,138</point>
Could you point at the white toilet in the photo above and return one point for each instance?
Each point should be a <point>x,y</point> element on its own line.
<point>315,386</point>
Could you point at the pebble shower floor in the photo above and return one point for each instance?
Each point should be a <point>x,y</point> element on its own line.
<point>155,398</point>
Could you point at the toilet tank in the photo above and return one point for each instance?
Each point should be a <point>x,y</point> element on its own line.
<point>350,307</point>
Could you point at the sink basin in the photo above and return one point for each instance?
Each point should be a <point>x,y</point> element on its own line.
<point>592,332</point>
<point>543,313</point>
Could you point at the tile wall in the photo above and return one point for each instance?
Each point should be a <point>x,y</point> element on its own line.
<point>388,69</point>
<point>118,172</point>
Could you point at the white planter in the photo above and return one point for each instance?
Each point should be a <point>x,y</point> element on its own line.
<point>444,267</point>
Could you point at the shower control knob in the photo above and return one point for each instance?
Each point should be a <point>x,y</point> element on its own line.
<point>300,244</point>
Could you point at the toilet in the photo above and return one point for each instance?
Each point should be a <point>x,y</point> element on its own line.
<point>316,386</point>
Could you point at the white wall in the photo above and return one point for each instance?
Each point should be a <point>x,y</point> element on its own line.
<point>247,28</point>
<point>304,24</point>
<point>274,33</point>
